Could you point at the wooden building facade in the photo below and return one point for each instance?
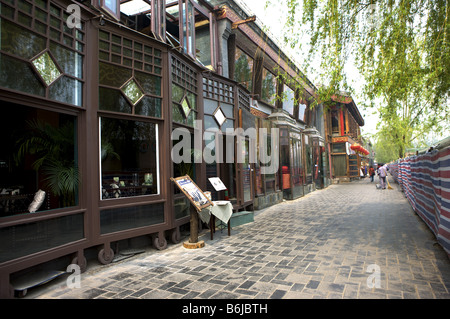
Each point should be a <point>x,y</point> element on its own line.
<point>343,121</point>
<point>95,100</point>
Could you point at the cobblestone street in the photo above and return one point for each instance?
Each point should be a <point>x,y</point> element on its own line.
<point>324,245</point>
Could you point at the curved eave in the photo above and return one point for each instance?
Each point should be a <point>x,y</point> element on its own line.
<point>350,103</point>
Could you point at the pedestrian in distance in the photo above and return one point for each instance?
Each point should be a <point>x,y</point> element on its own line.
<point>371,173</point>
<point>382,173</point>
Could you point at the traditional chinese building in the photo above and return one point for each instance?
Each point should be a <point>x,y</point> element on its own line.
<point>343,121</point>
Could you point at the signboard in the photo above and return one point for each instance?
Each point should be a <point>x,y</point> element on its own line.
<point>192,192</point>
<point>339,139</point>
<point>217,183</point>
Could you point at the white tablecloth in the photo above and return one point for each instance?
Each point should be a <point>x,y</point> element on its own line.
<point>222,212</point>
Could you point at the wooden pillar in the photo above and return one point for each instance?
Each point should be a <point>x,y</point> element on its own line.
<point>341,114</point>
<point>193,241</point>
<point>6,290</point>
<point>231,55</point>
<point>193,238</point>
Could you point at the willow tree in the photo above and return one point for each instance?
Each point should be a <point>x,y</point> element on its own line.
<point>400,47</point>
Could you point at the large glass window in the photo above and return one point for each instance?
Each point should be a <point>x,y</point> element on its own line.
<point>288,100</point>
<point>129,158</point>
<point>269,87</point>
<point>302,112</point>
<point>38,162</point>
<point>243,69</point>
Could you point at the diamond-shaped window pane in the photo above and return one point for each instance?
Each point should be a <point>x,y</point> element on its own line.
<point>132,92</point>
<point>47,68</point>
<point>185,107</point>
<point>220,118</point>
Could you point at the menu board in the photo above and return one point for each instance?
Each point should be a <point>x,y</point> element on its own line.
<point>192,192</point>
<point>217,183</point>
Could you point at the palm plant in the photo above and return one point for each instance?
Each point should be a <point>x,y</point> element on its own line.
<point>52,147</point>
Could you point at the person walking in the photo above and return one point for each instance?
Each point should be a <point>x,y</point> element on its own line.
<point>371,173</point>
<point>382,172</point>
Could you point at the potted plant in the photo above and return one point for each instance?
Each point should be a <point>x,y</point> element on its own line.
<point>52,147</point>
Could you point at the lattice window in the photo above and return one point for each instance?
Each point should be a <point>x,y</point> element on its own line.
<point>184,89</point>
<point>184,75</point>
<point>35,34</point>
<point>49,19</point>
<point>129,53</point>
<point>129,75</point>
<point>217,90</point>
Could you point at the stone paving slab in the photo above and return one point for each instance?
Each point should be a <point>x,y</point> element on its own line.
<point>319,246</point>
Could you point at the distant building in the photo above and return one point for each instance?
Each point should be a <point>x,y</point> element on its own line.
<point>343,121</point>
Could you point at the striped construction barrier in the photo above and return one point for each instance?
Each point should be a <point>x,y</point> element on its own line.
<point>425,180</point>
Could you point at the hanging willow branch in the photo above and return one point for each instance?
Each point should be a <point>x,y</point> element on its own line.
<point>400,47</point>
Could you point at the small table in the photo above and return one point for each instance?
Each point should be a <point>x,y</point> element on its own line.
<point>221,209</point>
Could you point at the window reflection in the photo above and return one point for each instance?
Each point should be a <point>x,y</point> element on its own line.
<point>288,100</point>
<point>129,158</point>
<point>38,165</point>
<point>269,87</point>
<point>58,68</point>
<point>302,112</point>
<point>243,69</point>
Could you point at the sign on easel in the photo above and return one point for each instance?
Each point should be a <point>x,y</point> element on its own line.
<point>217,183</point>
<point>192,192</point>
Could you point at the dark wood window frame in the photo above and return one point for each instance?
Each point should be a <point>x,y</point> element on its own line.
<point>46,20</point>
<point>135,55</point>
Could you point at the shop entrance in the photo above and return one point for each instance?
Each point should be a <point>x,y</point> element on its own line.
<point>227,168</point>
<point>221,148</point>
<point>246,169</point>
<point>234,171</point>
